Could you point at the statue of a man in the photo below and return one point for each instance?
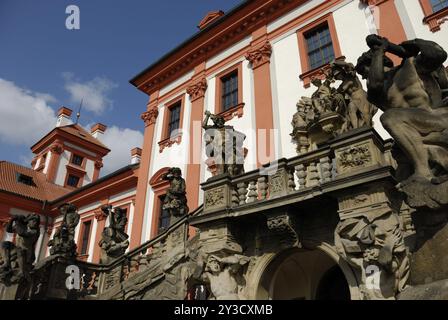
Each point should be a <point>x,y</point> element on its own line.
<point>322,97</point>
<point>414,98</point>
<point>63,241</point>
<point>360,111</point>
<point>27,233</point>
<point>114,240</point>
<point>175,199</point>
<point>223,276</point>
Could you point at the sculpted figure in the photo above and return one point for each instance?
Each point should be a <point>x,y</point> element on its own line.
<point>413,97</point>
<point>18,257</point>
<point>224,145</point>
<point>114,240</point>
<point>175,199</point>
<point>223,276</point>
<point>63,241</point>
<point>360,111</point>
<point>321,98</point>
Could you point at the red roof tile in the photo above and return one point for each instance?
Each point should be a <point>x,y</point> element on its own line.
<point>42,190</point>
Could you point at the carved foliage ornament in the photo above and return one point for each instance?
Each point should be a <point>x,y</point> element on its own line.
<point>357,156</point>
<point>150,116</point>
<point>260,56</point>
<point>198,89</point>
<point>215,197</point>
<point>57,148</point>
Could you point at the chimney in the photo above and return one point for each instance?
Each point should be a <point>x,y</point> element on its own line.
<point>64,117</point>
<point>136,155</point>
<point>98,130</point>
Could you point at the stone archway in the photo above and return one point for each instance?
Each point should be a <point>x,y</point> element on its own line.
<point>298,274</point>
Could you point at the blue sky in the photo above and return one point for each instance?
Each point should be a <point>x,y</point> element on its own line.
<point>43,65</point>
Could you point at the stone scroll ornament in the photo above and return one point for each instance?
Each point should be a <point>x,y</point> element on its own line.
<point>224,146</point>
<point>63,242</point>
<point>374,244</point>
<point>18,258</point>
<point>114,240</point>
<point>414,98</point>
<point>331,111</point>
<point>175,201</point>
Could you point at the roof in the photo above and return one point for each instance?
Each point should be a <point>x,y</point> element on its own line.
<point>78,131</point>
<point>42,190</point>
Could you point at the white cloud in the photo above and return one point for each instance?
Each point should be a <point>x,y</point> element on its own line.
<point>120,141</point>
<point>94,93</point>
<point>25,116</point>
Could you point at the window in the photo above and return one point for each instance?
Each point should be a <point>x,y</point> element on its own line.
<point>73,181</point>
<point>229,91</point>
<point>77,160</point>
<point>85,236</point>
<point>320,47</point>
<point>164,216</point>
<point>174,118</point>
<point>438,5</point>
<point>24,179</point>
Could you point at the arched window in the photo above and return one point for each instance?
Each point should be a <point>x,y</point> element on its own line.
<point>160,217</point>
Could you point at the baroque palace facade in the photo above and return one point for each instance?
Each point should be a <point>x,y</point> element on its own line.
<point>303,214</point>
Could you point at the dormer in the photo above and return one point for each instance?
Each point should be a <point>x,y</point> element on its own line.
<point>69,155</point>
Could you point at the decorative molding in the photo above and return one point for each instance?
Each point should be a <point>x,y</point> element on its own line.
<point>236,111</point>
<point>260,56</point>
<point>98,164</point>
<point>211,42</point>
<point>356,156</point>
<point>436,19</point>
<point>197,90</point>
<point>210,18</point>
<point>150,116</point>
<point>57,148</point>
<point>100,215</point>
<point>167,143</point>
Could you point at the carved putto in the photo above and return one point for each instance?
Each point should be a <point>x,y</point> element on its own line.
<point>224,146</point>
<point>331,111</point>
<point>63,241</point>
<point>114,240</point>
<point>175,201</point>
<point>18,257</point>
<point>414,98</point>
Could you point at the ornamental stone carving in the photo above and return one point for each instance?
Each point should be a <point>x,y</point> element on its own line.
<point>215,198</point>
<point>356,156</point>
<point>175,201</point>
<point>414,98</point>
<point>284,224</point>
<point>331,111</point>
<point>198,89</point>
<point>18,257</point>
<point>99,164</point>
<point>150,116</point>
<point>260,55</point>
<point>57,148</point>
<point>63,242</point>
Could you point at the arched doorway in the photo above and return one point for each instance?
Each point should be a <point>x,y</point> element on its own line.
<point>298,274</point>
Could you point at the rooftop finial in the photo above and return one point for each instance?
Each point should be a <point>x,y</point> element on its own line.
<point>78,115</point>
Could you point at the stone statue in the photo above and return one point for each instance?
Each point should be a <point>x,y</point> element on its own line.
<point>175,199</point>
<point>114,240</point>
<point>224,145</point>
<point>372,243</point>
<point>18,257</point>
<point>330,111</point>
<point>414,98</point>
<point>63,241</point>
<point>360,111</point>
<point>223,275</point>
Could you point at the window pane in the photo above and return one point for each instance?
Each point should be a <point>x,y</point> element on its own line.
<point>85,236</point>
<point>72,181</point>
<point>77,160</point>
<point>164,217</point>
<point>320,47</point>
<point>229,92</point>
<point>439,5</point>
<point>174,118</point>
